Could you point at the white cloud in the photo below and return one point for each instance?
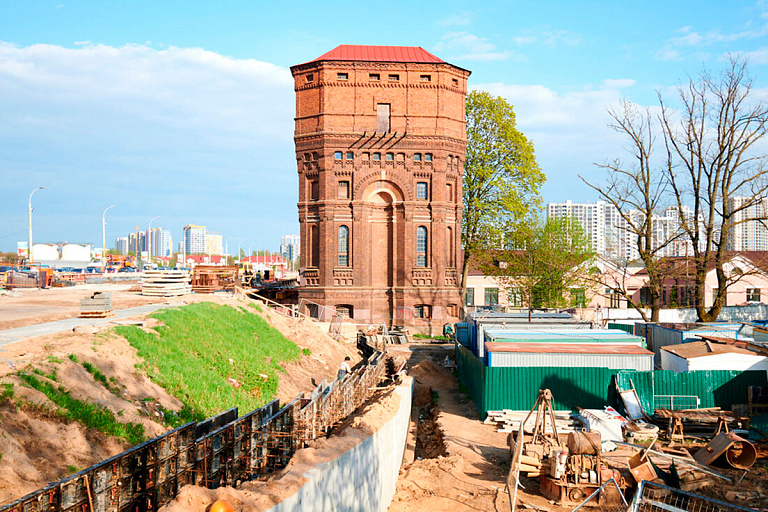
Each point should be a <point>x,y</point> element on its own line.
<point>177,131</point>
<point>618,83</point>
<point>697,41</point>
<point>551,38</point>
<point>456,20</point>
<point>466,46</point>
<point>569,131</point>
<point>759,56</point>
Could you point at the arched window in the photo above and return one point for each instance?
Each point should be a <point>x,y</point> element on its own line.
<point>421,246</point>
<point>343,252</point>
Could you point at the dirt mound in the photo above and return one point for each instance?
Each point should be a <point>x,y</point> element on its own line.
<point>37,446</point>
<point>322,362</point>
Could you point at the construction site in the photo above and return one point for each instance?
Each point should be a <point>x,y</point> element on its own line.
<point>401,431</point>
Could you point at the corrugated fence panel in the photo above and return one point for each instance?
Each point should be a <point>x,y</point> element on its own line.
<point>628,328</point>
<point>715,388</point>
<point>518,388</point>
<point>472,375</point>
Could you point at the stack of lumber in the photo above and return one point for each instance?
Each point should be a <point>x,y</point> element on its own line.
<point>98,305</point>
<point>509,421</point>
<point>165,283</point>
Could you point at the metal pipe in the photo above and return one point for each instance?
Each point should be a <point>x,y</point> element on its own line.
<point>104,237</point>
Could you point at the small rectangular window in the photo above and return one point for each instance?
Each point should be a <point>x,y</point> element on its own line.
<point>422,311</point>
<point>342,76</point>
<point>516,297</point>
<point>421,190</point>
<point>343,190</point>
<point>390,157</point>
<point>350,155</point>
<point>394,78</point>
<point>374,77</point>
<point>314,190</point>
<point>753,294</point>
<point>455,82</point>
<point>426,78</point>
<point>469,297</point>
<point>383,118</point>
<point>417,157</point>
<point>491,297</point>
<point>449,192</point>
<point>310,78</point>
<point>427,157</point>
<point>366,155</point>
<point>337,155</point>
<point>377,157</point>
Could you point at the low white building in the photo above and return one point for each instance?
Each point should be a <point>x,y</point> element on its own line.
<point>706,355</point>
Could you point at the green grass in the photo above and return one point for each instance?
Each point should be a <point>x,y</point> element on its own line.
<point>100,377</point>
<point>91,415</point>
<point>72,469</point>
<point>428,337</point>
<point>74,358</point>
<point>189,356</point>
<point>7,393</point>
<point>306,351</point>
<point>54,360</point>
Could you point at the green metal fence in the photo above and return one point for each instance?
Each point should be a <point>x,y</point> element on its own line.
<point>628,328</point>
<point>495,388</point>
<point>715,388</point>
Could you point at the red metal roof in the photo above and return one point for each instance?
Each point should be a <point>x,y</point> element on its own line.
<point>565,348</point>
<point>357,52</point>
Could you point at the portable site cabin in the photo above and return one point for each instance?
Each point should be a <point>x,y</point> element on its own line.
<point>627,356</point>
<point>471,333</point>
<point>661,335</point>
<point>583,336</point>
<point>706,355</point>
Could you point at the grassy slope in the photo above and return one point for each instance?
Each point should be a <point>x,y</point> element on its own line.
<point>189,356</point>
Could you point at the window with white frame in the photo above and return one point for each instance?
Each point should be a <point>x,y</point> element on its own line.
<point>421,246</point>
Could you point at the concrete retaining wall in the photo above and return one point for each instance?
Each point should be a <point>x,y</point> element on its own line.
<point>362,478</point>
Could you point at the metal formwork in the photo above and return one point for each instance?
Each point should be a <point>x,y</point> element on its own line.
<point>222,450</point>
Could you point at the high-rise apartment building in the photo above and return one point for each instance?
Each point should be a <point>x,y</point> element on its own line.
<point>289,248</point>
<point>213,243</point>
<point>160,242</point>
<point>380,141</point>
<point>609,234</point>
<point>750,232</point>
<point>194,239</point>
<point>121,245</point>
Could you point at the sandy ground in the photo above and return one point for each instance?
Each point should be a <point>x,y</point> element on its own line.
<point>22,307</point>
<point>37,446</point>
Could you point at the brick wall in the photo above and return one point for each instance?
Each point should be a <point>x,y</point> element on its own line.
<point>354,173</point>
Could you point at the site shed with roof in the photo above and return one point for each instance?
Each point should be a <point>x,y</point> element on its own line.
<point>706,355</point>
<point>568,355</point>
<point>478,321</point>
<point>583,336</point>
<point>661,335</point>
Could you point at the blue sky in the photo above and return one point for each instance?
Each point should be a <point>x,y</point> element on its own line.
<point>184,110</point>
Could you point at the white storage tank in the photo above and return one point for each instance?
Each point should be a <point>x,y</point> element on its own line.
<point>45,252</point>
<point>76,252</point>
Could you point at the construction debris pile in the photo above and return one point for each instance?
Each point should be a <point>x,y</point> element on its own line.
<point>583,459</point>
<point>165,283</point>
<point>98,305</point>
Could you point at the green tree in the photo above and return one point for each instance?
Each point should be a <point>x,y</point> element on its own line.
<point>547,261</point>
<point>501,177</point>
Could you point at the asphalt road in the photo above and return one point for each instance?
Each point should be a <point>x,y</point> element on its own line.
<point>20,333</point>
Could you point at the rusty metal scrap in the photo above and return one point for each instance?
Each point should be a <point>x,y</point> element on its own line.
<point>729,449</point>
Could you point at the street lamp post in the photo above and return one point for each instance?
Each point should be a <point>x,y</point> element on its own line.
<point>104,237</point>
<point>149,238</point>
<point>226,246</point>
<point>30,221</point>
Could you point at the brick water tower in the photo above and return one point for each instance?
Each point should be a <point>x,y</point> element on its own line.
<point>380,143</point>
